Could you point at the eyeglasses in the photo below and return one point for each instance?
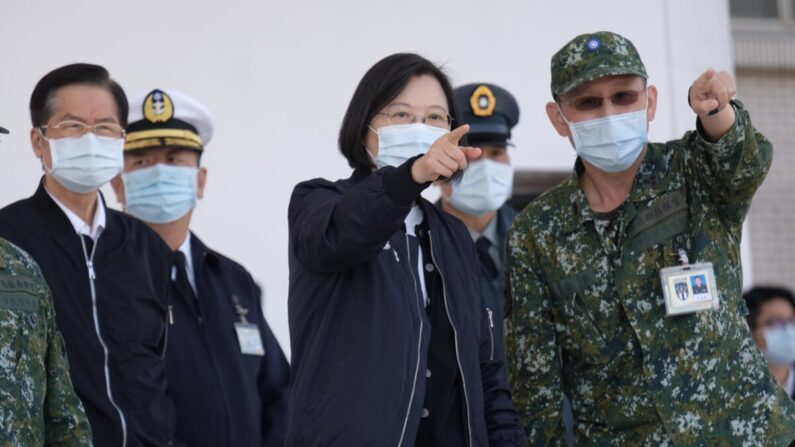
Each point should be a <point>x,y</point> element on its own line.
<point>590,103</point>
<point>75,129</point>
<point>399,114</point>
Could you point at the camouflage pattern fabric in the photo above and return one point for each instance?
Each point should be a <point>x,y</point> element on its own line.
<point>38,406</point>
<point>589,318</point>
<point>593,56</point>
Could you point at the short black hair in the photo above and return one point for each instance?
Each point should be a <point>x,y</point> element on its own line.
<point>761,295</point>
<point>382,83</point>
<point>85,74</point>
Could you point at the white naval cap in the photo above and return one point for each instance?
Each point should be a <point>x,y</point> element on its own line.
<point>167,118</point>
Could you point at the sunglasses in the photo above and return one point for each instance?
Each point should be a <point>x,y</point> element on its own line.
<point>621,99</point>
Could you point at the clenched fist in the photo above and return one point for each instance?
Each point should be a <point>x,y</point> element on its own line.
<point>709,98</point>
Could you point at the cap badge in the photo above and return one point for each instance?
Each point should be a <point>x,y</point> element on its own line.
<point>482,101</point>
<point>594,44</point>
<point>158,107</point>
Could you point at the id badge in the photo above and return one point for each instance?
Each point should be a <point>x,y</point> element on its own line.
<point>689,288</point>
<point>249,338</point>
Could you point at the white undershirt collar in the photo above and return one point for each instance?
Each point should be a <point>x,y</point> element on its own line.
<point>80,226</point>
<point>186,250</point>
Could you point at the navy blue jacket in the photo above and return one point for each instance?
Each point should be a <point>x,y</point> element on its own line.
<point>122,389</point>
<point>359,331</point>
<point>494,291</point>
<point>223,397</point>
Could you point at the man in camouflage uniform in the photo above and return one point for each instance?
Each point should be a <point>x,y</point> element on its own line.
<point>38,406</point>
<point>584,261</point>
<point>37,403</point>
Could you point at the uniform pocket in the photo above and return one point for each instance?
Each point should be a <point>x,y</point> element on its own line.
<point>581,338</point>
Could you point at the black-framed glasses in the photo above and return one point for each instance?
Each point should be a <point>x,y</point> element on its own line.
<point>76,129</point>
<point>623,98</point>
<point>400,114</point>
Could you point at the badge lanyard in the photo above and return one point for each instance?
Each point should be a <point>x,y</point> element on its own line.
<point>248,334</point>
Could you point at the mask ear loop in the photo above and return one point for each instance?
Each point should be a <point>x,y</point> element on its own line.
<point>561,113</point>
<point>41,159</point>
<point>367,149</point>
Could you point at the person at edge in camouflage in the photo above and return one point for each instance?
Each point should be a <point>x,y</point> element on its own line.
<point>589,317</point>
<point>38,406</point>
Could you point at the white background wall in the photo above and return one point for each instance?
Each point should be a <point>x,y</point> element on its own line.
<point>278,77</point>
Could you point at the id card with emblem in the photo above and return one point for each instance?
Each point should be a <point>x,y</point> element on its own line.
<point>249,338</point>
<point>689,288</point>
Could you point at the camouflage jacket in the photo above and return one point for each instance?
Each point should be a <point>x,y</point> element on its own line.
<point>38,406</point>
<point>589,318</point>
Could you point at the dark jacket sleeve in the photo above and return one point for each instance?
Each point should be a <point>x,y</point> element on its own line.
<point>502,420</point>
<point>273,383</point>
<point>333,228</point>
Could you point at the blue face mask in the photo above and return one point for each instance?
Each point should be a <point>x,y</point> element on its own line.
<point>612,143</point>
<point>160,193</point>
<point>397,143</point>
<point>485,187</point>
<point>780,344</point>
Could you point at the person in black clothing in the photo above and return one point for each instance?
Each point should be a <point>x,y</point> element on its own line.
<point>227,374</point>
<point>108,272</point>
<point>390,339</point>
<point>479,200</point>
<point>699,286</point>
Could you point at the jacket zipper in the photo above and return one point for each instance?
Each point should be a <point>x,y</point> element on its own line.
<point>91,277</point>
<point>419,346</point>
<point>491,332</point>
<point>455,333</point>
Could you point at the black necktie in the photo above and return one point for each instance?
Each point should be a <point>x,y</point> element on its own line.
<point>483,245</point>
<point>182,282</point>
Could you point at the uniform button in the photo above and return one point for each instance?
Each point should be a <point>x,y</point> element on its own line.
<point>428,373</point>
<point>425,413</point>
<point>429,268</point>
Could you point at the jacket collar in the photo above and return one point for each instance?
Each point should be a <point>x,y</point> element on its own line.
<point>57,221</point>
<point>200,252</point>
<point>63,234</point>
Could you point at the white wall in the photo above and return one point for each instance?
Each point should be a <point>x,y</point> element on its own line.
<point>278,76</point>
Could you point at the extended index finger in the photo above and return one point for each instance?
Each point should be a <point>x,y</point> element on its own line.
<point>455,135</point>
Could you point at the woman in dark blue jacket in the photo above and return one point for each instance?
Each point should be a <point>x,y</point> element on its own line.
<point>391,344</point>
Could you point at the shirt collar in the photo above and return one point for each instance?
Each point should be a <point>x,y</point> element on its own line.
<point>80,226</point>
<point>489,232</point>
<point>186,250</point>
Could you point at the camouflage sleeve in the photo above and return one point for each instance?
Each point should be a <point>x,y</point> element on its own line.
<point>65,420</point>
<point>730,170</point>
<point>531,350</point>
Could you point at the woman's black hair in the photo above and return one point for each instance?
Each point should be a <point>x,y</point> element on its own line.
<point>381,85</point>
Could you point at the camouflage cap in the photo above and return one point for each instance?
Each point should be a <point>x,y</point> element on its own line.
<point>593,56</point>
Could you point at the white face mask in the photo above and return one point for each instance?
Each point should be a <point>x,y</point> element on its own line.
<point>398,143</point>
<point>485,187</point>
<point>85,163</point>
<point>780,344</point>
<point>611,143</point>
